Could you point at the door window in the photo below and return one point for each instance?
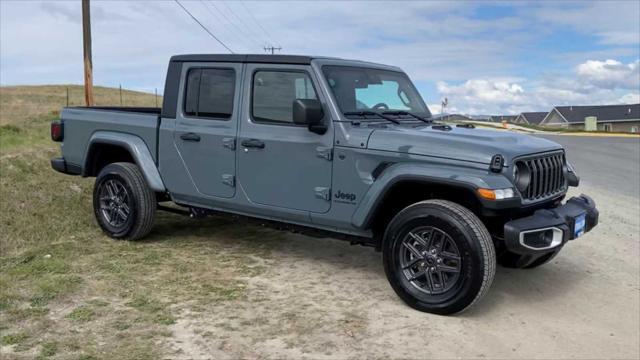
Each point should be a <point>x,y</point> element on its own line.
<point>274,93</point>
<point>209,93</point>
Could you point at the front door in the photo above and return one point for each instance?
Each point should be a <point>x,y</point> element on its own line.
<point>206,128</point>
<point>282,164</point>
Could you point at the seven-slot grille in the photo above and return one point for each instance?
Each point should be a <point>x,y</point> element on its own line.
<point>547,176</point>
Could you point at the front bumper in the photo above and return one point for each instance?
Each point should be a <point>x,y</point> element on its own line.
<point>549,229</point>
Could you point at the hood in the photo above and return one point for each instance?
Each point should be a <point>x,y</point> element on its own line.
<point>477,145</point>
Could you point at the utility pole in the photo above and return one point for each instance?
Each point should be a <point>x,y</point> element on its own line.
<point>86,42</point>
<point>272,49</point>
<point>443,105</point>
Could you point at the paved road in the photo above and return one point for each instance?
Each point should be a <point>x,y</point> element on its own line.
<point>611,163</point>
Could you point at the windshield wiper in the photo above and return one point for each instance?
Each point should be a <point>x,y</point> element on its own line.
<point>425,120</point>
<point>371,113</point>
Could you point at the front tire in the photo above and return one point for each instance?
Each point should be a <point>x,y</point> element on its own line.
<point>123,203</point>
<point>438,257</point>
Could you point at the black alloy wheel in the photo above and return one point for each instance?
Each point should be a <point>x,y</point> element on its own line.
<point>430,260</point>
<point>115,202</point>
<point>123,203</point>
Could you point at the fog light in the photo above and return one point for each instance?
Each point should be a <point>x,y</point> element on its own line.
<point>541,239</point>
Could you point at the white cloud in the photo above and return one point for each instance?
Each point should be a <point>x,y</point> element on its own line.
<point>594,83</point>
<point>482,96</point>
<point>630,98</point>
<point>41,41</point>
<point>612,22</point>
<point>478,62</point>
<point>495,91</point>
<point>610,74</point>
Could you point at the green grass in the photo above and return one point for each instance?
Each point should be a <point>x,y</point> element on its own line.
<point>14,339</point>
<point>62,279</point>
<point>48,350</point>
<point>82,313</point>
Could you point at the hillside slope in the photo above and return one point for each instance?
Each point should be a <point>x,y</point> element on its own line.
<point>20,103</point>
<point>26,111</point>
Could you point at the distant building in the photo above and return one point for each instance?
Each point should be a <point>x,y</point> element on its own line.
<point>616,118</point>
<point>501,118</point>
<point>458,117</point>
<point>451,117</point>
<point>480,117</point>
<point>531,118</point>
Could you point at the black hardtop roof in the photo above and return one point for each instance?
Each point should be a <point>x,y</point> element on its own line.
<point>245,58</point>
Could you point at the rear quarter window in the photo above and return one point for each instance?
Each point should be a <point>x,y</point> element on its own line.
<point>210,93</point>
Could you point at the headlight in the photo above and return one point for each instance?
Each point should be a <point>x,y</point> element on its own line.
<point>496,194</point>
<point>522,176</point>
<point>569,167</point>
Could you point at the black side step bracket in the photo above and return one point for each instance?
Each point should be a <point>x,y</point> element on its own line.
<point>174,210</point>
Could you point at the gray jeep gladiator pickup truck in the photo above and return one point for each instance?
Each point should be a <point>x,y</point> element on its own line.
<point>333,148</point>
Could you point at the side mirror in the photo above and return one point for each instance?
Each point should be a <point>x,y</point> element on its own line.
<point>309,112</point>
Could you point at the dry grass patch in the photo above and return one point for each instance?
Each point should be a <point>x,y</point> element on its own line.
<point>20,103</point>
<point>61,278</point>
<point>67,290</point>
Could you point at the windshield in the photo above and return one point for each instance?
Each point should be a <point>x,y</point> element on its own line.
<point>358,89</point>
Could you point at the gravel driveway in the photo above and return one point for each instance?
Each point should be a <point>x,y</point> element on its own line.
<point>327,299</point>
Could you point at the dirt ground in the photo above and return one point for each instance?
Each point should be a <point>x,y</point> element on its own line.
<point>327,299</point>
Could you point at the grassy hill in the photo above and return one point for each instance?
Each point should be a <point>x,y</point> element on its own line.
<point>19,103</point>
<point>26,111</point>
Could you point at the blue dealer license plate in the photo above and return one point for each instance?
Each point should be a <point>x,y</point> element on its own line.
<point>578,229</point>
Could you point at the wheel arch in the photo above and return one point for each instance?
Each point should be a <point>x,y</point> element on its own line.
<point>107,147</point>
<point>403,184</point>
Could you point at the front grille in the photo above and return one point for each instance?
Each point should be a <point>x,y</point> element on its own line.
<point>547,176</point>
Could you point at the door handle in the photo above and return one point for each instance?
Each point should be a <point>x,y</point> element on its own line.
<point>190,137</point>
<point>253,143</point>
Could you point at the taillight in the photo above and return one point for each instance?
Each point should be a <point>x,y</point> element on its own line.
<point>57,133</point>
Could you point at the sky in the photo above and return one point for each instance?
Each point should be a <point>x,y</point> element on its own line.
<point>485,57</point>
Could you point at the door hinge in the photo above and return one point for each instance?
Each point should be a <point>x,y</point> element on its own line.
<point>323,193</point>
<point>229,179</point>
<point>325,152</point>
<point>229,143</point>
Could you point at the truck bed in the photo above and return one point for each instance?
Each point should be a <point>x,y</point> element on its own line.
<point>81,123</point>
<point>133,109</point>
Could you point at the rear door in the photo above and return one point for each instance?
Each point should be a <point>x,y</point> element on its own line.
<point>206,128</point>
<point>282,164</point>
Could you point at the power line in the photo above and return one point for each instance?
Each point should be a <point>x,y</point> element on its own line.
<point>249,29</point>
<point>204,27</point>
<point>257,22</point>
<point>216,18</point>
<point>234,24</point>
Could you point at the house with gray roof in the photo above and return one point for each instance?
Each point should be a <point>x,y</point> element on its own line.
<point>615,118</point>
<point>531,118</point>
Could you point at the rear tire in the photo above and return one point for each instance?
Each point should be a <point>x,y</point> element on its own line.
<point>123,203</point>
<point>438,257</point>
